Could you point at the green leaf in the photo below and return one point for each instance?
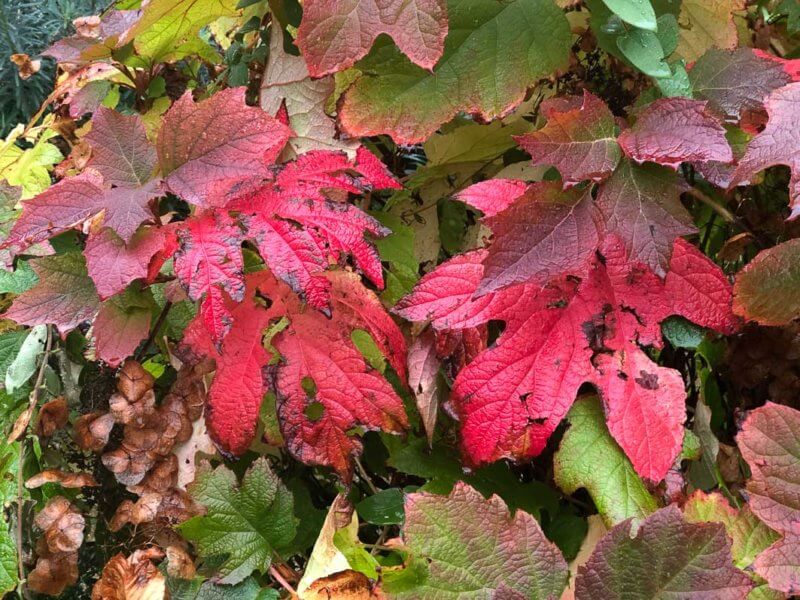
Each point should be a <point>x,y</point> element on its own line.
<point>493,53</point>
<point>638,13</point>
<point>677,84</point>
<point>10,343</point>
<point>791,8</point>
<point>750,537</point>
<point>20,280</point>
<point>668,33</point>
<point>442,467</point>
<point>682,333</point>
<point>473,548</point>
<point>169,28</point>
<point>8,560</point>
<point>198,589</point>
<point>247,524</point>
<point>24,365</point>
<point>590,458</point>
<point>397,249</point>
<point>29,168</point>
<point>383,508</point>
<point>767,290</point>
<point>643,49</point>
<point>357,557</point>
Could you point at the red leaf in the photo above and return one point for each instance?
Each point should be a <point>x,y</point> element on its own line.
<point>123,322</point>
<point>545,233</point>
<point>113,264</point>
<point>675,130</point>
<point>780,565</point>
<point>64,295</point>
<point>736,82</point>
<point>293,255</point>
<point>237,390</point>
<point>770,443</point>
<point>212,150</point>
<point>121,152</point>
<point>313,348</point>
<point>73,200</point>
<point>579,139</point>
<point>514,394</point>
<point>641,204</point>
<point>210,259</point>
<point>666,557</point>
<point>334,34</point>
<point>374,171</point>
<point>777,144</point>
<point>304,192</point>
<point>493,195</point>
<point>348,392</point>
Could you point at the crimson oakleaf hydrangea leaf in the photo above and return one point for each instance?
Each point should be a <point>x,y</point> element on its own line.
<point>118,183</point>
<point>544,233</point>
<point>210,260</point>
<point>736,82</point>
<point>780,565</point>
<point>123,322</point>
<point>675,130</point>
<point>64,296</point>
<point>579,139</point>
<point>113,264</point>
<point>770,443</point>
<point>215,149</point>
<point>665,557</point>
<point>299,229</point>
<point>323,384</point>
<point>641,204</point>
<point>121,152</point>
<point>73,200</point>
<point>514,394</point>
<point>778,143</point>
<point>471,547</point>
<point>334,34</point>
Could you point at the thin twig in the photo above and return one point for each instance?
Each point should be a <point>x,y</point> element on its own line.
<point>159,322</point>
<point>363,474</point>
<point>279,578</point>
<point>725,214</point>
<point>21,457</point>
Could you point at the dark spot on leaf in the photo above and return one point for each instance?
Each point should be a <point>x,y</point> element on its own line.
<point>648,381</point>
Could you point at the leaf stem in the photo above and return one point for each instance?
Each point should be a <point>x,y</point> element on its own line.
<point>154,332</point>
<point>34,400</point>
<point>279,578</point>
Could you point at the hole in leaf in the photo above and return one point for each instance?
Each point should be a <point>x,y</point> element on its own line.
<point>314,411</point>
<point>309,387</point>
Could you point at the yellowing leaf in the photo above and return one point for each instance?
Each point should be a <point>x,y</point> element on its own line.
<point>706,24</point>
<point>168,28</point>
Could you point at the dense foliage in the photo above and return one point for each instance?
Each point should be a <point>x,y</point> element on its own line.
<point>433,299</point>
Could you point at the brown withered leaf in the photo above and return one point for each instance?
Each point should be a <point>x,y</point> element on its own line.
<point>62,525</point>
<point>345,585</point>
<point>132,411</point>
<point>132,578</point>
<point>21,424</point>
<point>53,573</point>
<point>133,381</point>
<point>26,67</point>
<point>179,564</point>
<point>67,480</point>
<point>92,430</point>
<point>57,550</point>
<point>52,416</point>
